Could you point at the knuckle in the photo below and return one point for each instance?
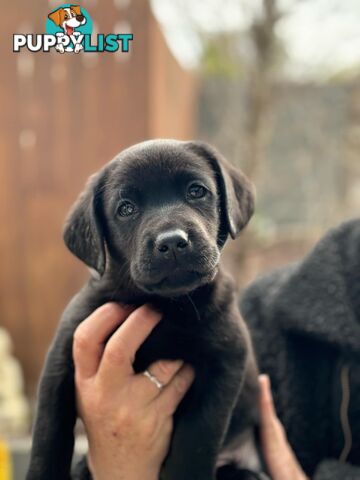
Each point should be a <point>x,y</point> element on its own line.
<point>115,355</point>
<point>125,418</point>
<point>81,340</point>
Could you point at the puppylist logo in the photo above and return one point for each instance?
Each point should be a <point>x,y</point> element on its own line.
<point>68,29</point>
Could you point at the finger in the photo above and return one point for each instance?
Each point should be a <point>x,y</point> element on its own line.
<point>271,429</point>
<point>163,371</point>
<point>267,409</point>
<point>122,346</point>
<point>272,432</point>
<point>279,456</point>
<point>91,334</point>
<point>174,392</point>
<point>271,425</point>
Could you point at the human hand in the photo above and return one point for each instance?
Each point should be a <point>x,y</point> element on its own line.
<point>128,419</point>
<point>279,456</point>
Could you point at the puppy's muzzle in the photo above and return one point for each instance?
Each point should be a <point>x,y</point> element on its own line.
<point>174,260</point>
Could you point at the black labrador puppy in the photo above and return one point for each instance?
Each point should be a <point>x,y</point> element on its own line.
<point>151,225</point>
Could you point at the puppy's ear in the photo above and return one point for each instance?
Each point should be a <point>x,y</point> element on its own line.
<point>56,16</point>
<point>237,193</point>
<point>83,234</point>
<point>76,9</point>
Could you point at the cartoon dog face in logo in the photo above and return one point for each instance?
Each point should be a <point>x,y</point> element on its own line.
<point>68,18</point>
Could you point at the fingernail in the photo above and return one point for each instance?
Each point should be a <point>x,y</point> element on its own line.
<point>265,381</point>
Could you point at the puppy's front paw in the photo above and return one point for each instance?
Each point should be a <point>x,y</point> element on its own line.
<point>60,48</point>
<point>78,48</point>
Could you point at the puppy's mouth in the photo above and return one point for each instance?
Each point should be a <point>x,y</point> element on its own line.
<point>178,282</point>
<point>69,30</point>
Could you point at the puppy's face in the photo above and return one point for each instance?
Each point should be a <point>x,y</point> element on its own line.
<point>162,210</point>
<point>162,217</point>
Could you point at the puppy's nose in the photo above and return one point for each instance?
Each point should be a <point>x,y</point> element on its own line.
<point>80,18</point>
<point>174,240</point>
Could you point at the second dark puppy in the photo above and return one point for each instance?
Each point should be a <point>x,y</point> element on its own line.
<point>152,223</point>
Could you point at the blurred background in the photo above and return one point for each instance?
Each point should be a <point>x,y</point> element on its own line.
<point>274,84</point>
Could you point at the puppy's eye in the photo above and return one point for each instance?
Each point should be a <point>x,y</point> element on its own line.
<point>126,209</point>
<point>196,191</point>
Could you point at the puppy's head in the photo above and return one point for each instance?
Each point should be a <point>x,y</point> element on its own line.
<point>68,18</point>
<point>160,211</point>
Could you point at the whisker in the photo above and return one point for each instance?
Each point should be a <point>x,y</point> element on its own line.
<point>194,307</point>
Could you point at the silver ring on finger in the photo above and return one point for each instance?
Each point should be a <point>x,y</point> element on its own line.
<point>153,379</point>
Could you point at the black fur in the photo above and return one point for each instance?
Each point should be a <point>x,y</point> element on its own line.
<point>304,321</point>
<point>201,322</point>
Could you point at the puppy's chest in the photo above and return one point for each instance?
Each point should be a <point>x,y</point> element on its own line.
<point>179,336</point>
